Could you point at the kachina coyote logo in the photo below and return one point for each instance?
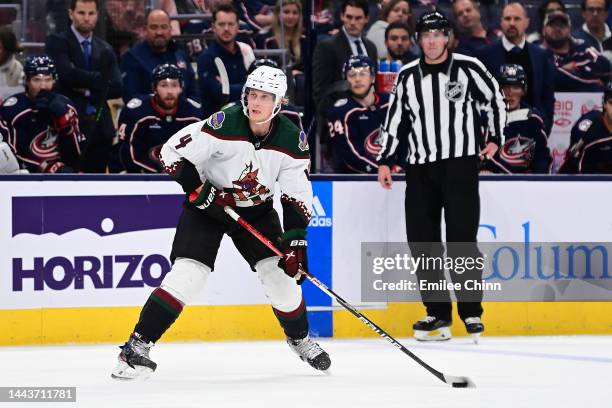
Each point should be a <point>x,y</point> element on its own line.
<point>247,187</point>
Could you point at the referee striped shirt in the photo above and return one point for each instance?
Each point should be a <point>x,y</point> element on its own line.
<point>438,111</point>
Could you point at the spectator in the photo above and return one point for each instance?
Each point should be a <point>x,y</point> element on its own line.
<point>590,150</point>
<point>330,54</point>
<point>235,55</point>
<point>397,41</point>
<point>579,67</point>
<point>546,7</point>
<point>393,11</point>
<point>323,19</point>
<point>11,70</point>
<point>156,49</point>
<point>354,122</point>
<point>148,121</point>
<point>125,23</point>
<point>473,35</point>
<point>514,49</point>
<point>88,75</point>
<point>594,31</point>
<point>42,126</point>
<point>525,148</point>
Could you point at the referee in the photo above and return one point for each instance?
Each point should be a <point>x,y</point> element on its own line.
<point>437,104</point>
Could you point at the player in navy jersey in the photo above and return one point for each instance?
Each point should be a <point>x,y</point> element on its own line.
<point>148,121</point>
<point>525,149</point>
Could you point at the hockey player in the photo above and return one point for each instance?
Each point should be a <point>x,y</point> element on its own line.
<point>525,149</point>
<point>234,158</point>
<point>590,150</point>
<point>148,121</point>
<point>354,122</point>
<point>42,126</point>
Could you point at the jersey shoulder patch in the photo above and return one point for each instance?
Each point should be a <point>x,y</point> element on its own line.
<point>10,101</point>
<point>216,120</point>
<point>229,122</point>
<point>584,125</point>
<point>134,103</point>
<point>341,102</point>
<point>194,103</point>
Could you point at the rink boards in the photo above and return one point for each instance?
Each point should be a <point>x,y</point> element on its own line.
<point>80,256</point>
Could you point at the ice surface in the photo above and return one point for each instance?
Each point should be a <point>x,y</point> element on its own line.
<point>568,371</point>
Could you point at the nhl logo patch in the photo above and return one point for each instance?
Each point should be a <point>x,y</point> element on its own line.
<point>134,103</point>
<point>215,120</point>
<point>303,145</point>
<point>453,91</point>
<point>10,101</point>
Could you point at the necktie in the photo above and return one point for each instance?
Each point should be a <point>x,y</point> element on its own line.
<point>86,52</point>
<point>89,108</point>
<point>359,47</point>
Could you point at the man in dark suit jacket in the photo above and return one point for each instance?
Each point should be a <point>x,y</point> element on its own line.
<point>537,62</point>
<point>88,75</point>
<point>331,54</point>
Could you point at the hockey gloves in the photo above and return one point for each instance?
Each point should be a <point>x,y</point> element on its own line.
<point>293,245</point>
<point>50,103</point>
<point>207,194</point>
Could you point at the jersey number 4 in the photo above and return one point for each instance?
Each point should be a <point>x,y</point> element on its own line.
<point>184,141</point>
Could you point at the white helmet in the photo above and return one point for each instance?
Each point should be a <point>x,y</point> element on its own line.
<point>268,79</point>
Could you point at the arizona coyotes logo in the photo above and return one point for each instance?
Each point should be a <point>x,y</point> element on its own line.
<point>454,91</point>
<point>247,187</point>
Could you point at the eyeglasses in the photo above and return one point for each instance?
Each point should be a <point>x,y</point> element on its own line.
<point>594,10</point>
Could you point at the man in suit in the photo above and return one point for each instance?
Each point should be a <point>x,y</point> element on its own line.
<point>88,75</point>
<point>536,61</point>
<point>331,54</point>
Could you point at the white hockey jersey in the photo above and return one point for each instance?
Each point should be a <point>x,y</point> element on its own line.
<point>224,152</point>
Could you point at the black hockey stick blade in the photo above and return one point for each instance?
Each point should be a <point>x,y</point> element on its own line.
<point>459,382</point>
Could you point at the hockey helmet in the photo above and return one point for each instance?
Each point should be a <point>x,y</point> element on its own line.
<point>512,74</point>
<point>358,61</point>
<point>267,79</point>
<point>39,65</point>
<point>166,71</point>
<point>433,21</point>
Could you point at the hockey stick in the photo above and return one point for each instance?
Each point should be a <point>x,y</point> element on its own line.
<point>457,382</point>
<point>225,86</point>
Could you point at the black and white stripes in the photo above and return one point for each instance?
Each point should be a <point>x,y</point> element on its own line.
<point>438,110</point>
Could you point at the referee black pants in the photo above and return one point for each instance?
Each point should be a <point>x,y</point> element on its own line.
<point>451,185</point>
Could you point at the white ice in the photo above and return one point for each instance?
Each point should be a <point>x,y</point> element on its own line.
<point>568,371</point>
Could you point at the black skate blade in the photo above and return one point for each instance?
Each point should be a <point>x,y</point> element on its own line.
<point>459,382</point>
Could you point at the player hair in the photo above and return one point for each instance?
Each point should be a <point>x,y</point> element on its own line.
<point>395,26</point>
<point>8,39</point>
<point>226,8</point>
<point>606,5</point>
<point>362,4</point>
<point>292,42</point>
<point>73,3</point>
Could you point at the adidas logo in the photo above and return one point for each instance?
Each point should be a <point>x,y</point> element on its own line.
<point>319,217</point>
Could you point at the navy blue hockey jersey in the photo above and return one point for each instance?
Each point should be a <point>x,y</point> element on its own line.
<point>590,150</point>
<point>42,144</point>
<point>354,134</point>
<point>526,145</point>
<point>144,128</point>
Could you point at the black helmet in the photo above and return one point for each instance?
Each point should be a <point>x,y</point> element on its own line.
<point>39,65</point>
<point>166,71</point>
<point>433,21</point>
<point>357,61</point>
<point>512,74</point>
<point>261,62</point>
<point>607,92</point>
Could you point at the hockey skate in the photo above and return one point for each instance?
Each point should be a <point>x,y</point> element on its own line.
<point>474,326</point>
<point>431,328</point>
<point>134,362</point>
<point>310,352</point>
